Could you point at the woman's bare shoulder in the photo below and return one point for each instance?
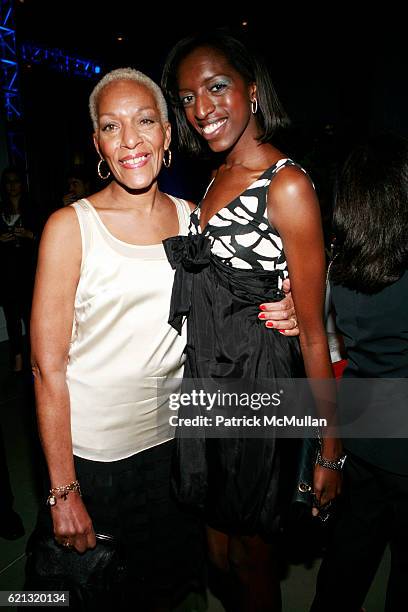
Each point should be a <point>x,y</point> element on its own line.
<point>63,217</point>
<point>291,185</point>
<point>62,230</point>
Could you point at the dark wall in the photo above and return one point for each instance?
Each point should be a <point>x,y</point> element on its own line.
<point>339,81</point>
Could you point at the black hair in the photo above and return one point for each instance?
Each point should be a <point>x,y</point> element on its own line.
<point>248,64</point>
<point>371,215</point>
<point>5,204</point>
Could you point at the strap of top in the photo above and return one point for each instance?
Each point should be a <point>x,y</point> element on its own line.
<point>85,221</point>
<point>183,213</point>
<point>281,163</point>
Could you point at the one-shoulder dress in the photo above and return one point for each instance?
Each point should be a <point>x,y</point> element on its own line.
<point>223,273</point>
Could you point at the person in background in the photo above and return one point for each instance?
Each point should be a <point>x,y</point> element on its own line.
<point>78,185</point>
<point>18,232</point>
<point>258,222</point>
<point>369,292</point>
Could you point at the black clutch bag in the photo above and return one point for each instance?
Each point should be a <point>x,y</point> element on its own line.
<point>303,536</point>
<point>95,579</point>
<point>303,489</point>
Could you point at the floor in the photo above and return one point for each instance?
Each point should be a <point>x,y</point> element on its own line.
<point>18,425</point>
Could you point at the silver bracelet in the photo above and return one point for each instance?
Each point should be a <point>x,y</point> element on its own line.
<point>337,464</point>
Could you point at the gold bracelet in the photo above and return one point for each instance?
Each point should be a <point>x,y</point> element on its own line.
<point>62,492</point>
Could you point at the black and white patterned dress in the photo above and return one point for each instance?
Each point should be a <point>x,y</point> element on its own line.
<point>223,274</point>
<point>240,233</point>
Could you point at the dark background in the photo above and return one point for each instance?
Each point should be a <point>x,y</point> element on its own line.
<point>339,76</point>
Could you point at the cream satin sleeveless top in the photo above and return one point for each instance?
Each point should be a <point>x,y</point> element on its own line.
<point>122,347</point>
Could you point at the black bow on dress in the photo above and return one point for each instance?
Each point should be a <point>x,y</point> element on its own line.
<point>187,255</point>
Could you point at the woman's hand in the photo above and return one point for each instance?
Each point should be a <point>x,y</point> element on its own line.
<point>21,232</point>
<point>72,523</point>
<point>9,237</point>
<point>281,315</point>
<point>326,486</point>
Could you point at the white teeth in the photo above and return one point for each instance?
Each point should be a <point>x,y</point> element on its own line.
<point>134,160</point>
<point>212,127</point>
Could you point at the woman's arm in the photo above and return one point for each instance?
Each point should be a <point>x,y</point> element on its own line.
<point>56,281</point>
<point>294,210</point>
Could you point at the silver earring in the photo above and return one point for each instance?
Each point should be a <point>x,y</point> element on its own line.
<point>99,170</point>
<point>167,162</point>
<point>254,106</point>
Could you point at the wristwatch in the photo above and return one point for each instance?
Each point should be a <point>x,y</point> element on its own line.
<point>336,464</point>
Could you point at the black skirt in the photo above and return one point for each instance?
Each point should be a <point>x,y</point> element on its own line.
<point>163,544</point>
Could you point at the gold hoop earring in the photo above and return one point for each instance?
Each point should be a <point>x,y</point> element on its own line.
<point>254,106</point>
<point>99,171</point>
<point>167,162</point>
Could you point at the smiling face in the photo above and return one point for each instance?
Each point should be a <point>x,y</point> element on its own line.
<point>216,99</point>
<point>131,135</point>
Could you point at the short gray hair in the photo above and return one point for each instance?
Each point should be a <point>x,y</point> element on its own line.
<point>126,74</point>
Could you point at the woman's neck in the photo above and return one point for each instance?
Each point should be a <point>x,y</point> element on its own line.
<point>247,150</point>
<point>118,196</point>
<point>253,156</point>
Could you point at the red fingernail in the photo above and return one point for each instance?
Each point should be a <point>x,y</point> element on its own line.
<point>269,324</point>
<point>281,331</point>
<point>262,315</point>
<point>262,307</point>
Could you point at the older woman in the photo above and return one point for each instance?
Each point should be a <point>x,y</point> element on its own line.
<point>101,346</point>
